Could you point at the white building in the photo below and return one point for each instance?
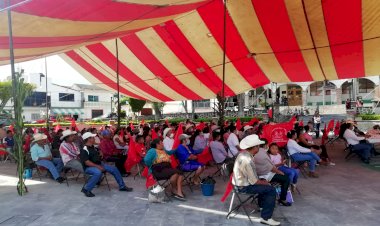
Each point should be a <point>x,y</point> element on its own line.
<point>78,101</point>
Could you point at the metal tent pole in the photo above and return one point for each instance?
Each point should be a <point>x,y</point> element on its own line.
<point>11,56</point>
<point>224,54</point>
<point>47,105</point>
<point>118,84</point>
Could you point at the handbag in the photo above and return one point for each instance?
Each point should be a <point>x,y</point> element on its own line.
<point>156,194</point>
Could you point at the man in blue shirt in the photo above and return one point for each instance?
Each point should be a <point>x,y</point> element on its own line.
<point>42,156</point>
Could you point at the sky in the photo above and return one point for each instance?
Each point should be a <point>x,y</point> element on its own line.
<point>57,69</point>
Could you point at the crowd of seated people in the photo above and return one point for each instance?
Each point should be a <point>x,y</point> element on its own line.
<point>358,140</point>
<point>254,163</point>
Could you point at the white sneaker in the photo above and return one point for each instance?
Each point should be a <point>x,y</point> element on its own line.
<point>270,221</point>
<point>332,164</point>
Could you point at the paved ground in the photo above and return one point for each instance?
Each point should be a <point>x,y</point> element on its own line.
<point>345,194</point>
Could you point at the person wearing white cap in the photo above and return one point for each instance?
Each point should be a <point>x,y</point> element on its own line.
<point>69,151</point>
<point>41,155</point>
<point>92,164</point>
<point>245,178</point>
<point>168,139</point>
<point>188,158</point>
<point>248,130</point>
<point>233,142</point>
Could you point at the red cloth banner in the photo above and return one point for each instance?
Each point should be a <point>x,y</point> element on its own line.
<point>174,161</point>
<point>276,133</point>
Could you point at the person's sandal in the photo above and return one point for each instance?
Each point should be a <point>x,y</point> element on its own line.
<point>180,198</point>
<point>284,203</point>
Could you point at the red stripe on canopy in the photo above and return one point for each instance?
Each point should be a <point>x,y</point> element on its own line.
<point>344,26</point>
<point>236,50</point>
<point>155,66</point>
<point>110,60</point>
<point>275,22</point>
<point>88,67</point>
<point>182,48</point>
<point>100,10</point>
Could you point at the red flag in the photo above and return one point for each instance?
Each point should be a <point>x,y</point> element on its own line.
<point>121,133</point>
<point>293,120</point>
<point>57,127</point>
<point>154,134</point>
<point>270,113</point>
<point>300,123</point>
<point>205,156</point>
<point>337,128</point>
<point>324,137</point>
<point>142,122</point>
<point>228,190</point>
<point>34,130</point>
<point>253,120</point>
<point>238,124</point>
<point>330,126</point>
<point>201,126</point>
<point>11,128</point>
<point>149,178</point>
<point>74,125</point>
<point>131,125</point>
<point>166,122</point>
<point>174,161</point>
<point>276,133</point>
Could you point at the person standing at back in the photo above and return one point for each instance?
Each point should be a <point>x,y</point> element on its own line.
<point>317,123</point>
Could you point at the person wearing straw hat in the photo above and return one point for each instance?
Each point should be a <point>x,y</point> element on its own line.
<point>168,139</point>
<point>69,151</point>
<point>42,156</point>
<point>92,164</point>
<point>245,178</point>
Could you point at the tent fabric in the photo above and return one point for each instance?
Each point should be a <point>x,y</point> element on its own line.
<point>175,52</point>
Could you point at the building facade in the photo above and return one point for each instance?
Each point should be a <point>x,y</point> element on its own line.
<point>78,101</point>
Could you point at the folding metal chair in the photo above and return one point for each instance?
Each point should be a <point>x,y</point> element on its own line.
<point>139,170</point>
<point>298,165</point>
<point>349,149</point>
<point>250,197</point>
<point>163,183</point>
<point>66,170</point>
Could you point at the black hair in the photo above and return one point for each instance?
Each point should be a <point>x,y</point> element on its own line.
<point>265,142</point>
<point>232,128</point>
<point>273,144</point>
<point>138,137</point>
<point>215,134</point>
<point>306,128</point>
<point>206,130</point>
<point>154,143</point>
<point>291,133</point>
<point>9,131</point>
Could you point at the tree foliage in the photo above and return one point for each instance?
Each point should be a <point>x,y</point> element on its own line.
<point>136,105</point>
<point>158,106</point>
<point>6,91</point>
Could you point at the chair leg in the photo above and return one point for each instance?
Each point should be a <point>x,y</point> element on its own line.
<point>231,203</point>
<point>108,185</point>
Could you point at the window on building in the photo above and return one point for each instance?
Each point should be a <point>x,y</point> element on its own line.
<point>346,88</point>
<point>36,99</point>
<point>202,104</point>
<point>35,116</point>
<point>92,98</point>
<point>365,85</point>
<point>316,88</point>
<point>66,97</point>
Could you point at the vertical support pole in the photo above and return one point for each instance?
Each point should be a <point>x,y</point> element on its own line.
<point>47,105</point>
<point>223,95</point>
<point>118,84</point>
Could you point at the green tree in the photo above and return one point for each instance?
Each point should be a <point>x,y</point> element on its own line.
<point>158,106</point>
<point>6,91</point>
<point>136,105</point>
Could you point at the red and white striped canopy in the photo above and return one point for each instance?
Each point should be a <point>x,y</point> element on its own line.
<point>179,53</point>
